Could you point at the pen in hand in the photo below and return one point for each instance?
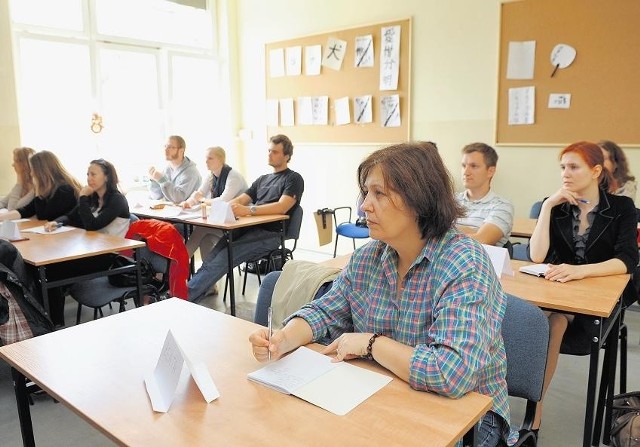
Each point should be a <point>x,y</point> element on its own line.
<point>270,327</point>
<point>53,227</point>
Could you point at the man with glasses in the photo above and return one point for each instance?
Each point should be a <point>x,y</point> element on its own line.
<point>180,177</point>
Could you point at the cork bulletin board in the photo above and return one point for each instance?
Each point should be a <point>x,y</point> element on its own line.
<point>350,81</point>
<point>603,80</point>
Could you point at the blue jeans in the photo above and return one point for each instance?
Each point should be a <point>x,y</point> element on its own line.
<point>252,244</point>
<point>492,430</point>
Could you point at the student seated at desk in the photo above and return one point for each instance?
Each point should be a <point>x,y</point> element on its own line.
<point>179,178</point>
<point>223,184</point>
<point>488,217</point>
<point>55,189</point>
<point>623,183</point>
<point>421,299</point>
<point>582,231</point>
<point>277,193</point>
<point>22,192</point>
<point>101,206</point>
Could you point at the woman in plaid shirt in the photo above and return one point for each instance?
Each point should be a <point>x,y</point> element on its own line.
<point>421,299</point>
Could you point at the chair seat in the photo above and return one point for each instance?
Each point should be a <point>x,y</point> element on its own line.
<point>98,292</point>
<point>352,230</point>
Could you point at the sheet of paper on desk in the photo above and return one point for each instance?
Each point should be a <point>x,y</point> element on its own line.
<point>40,230</point>
<point>311,376</point>
<point>535,269</point>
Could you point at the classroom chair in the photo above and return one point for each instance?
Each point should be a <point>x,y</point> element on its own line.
<point>525,331</point>
<point>519,250</point>
<point>274,260</point>
<point>345,227</point>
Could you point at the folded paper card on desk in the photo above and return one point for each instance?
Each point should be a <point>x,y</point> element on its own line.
<point>311,376</point>
<point>221,213</point>
<point>535,269</point>
<point>499,259</point>
<point>161,384</point>
<point>9,230</point>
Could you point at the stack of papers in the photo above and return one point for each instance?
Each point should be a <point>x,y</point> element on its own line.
<point>309,375</point>
<point>535,269</point>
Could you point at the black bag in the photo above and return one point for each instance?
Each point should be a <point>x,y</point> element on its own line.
<point>625,429</point>
<point>128,279</point>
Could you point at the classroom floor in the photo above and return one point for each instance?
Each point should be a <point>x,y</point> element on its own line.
<point>55,425</point>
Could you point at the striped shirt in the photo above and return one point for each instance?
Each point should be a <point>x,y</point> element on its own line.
<point>491,209</point>
<point>450,311</point>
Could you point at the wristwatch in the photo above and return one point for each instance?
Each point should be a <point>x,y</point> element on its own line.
<point>253,209</point>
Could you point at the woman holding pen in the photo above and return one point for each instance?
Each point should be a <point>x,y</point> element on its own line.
<point>582,231</point>
<point>421,299</point>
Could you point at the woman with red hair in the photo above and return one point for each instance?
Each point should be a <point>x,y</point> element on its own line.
<point>582,231</point>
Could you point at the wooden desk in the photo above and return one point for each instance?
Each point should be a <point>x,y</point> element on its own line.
<point>598,298</point>
<point>227,230</point>
<point>104,385</point>
<point>42,250</point>
<point>523,227</point>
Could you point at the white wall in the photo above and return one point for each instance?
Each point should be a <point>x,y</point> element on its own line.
<point>454,89</point>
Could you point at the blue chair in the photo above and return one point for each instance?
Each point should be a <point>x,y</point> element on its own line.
<point>520,250</point>
<point>525,331</point>
<point>346,227</point>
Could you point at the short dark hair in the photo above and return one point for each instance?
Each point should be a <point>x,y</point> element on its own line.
<point>490,155</point>
<point>416,172</point>
<point>287,146</point>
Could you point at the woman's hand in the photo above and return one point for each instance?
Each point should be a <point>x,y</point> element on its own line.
<point>185,205</point>
<point>349,346</point>
<point>279,346</point>
<point>561,196</point>
<point>564,272</point>
<point>51,226</point>
<point>86,191</point>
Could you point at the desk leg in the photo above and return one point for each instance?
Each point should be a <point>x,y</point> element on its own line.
<point>232,287</point>
<point>24,413</point>
<point>591,391</point>
<point>612,349</point>
<point>137,301</point>
<point>42,277</point>
<point>283,252</point>
<point>470,438</point>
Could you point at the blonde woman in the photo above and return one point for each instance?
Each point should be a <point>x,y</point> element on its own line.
<point>56,190</point>
<point>22,192</point>
<point>224,183</point>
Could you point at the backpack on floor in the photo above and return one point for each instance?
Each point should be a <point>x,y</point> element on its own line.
<point>625,429</point>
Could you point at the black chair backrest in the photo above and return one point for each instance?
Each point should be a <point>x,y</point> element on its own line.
<point>294,224</point>
<point>525,331</point>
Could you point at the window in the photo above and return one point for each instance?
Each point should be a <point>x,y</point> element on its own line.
<point>147,67</point>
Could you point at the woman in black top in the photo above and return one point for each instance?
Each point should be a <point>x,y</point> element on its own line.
<point>101,206</point>
<point>56,190</point>
<point>582,231</point>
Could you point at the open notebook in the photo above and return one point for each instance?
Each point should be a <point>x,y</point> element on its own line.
<point>309,375</point>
